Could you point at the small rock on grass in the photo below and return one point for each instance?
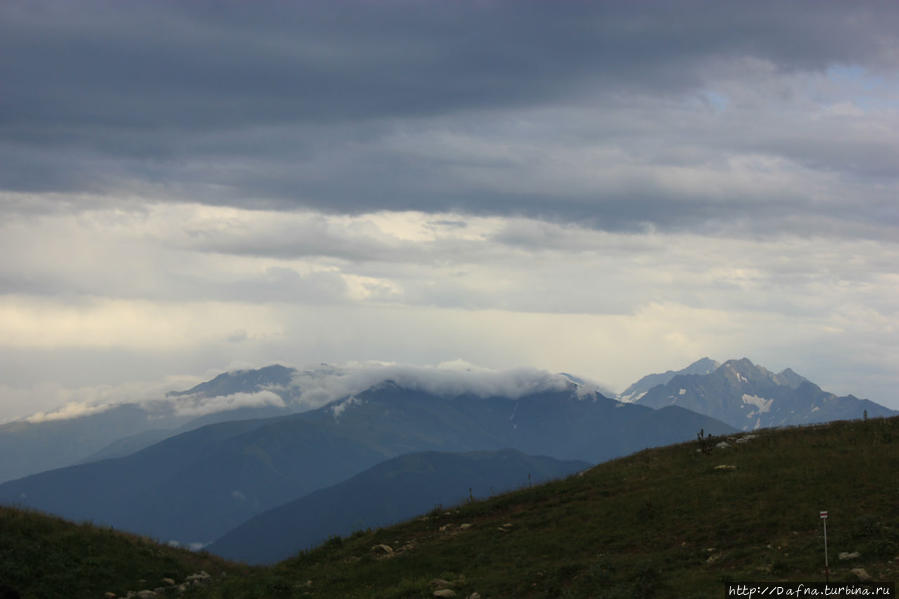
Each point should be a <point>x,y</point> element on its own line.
<point>383,549</point>
<point>861,574</point>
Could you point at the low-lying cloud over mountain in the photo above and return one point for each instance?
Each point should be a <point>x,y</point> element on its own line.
<point>111,426</point>
<point>320,386</point>
<point>312,387</point>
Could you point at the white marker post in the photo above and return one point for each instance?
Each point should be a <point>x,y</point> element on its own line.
<point>823,515</point>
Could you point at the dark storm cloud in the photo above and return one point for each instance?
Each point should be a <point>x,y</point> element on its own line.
<point>281,105</point>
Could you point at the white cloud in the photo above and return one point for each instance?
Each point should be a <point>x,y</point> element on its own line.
<point>48,401</point>
<point>313,387</point>
<point>191,405</point>
<point>452,378</point>
<point>68,411</point>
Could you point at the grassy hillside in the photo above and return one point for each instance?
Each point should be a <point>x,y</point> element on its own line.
<point>668,522</point>
<point>46,557</point>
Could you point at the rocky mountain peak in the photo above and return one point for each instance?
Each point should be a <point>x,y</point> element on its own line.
<point>749,396</point>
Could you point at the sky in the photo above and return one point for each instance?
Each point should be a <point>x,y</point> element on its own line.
<point>602,188</point>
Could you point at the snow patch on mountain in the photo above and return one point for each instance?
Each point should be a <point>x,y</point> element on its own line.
<point>763,405</point>
<point>631,397</point>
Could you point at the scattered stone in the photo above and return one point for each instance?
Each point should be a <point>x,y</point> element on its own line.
<point>723,445</point>
<point>169,581</point>
<point>846,555</point>
<point>465,526</point>
<point>444,593</point>
<point>475,595</point>
<point>382,549</point>
<point>712,549</point>
<point>199,578</point>
<point>106,595</point>
<point>861,574</point>
<point>746,438</point>
<point>146,594</point>
<point>445,527</point>
<point>713,558</point>
<point>725,467</point>
<point>440,583</point>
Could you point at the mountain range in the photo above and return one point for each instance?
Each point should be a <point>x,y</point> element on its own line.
<point>245,457</point>
<point>392,491</point>
<point>121,429</point>
<point>748,396</point>
<point>637,390</point>
<point>196,486</point>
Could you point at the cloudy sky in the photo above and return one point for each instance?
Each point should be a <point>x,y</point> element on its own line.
<point>604,188</point>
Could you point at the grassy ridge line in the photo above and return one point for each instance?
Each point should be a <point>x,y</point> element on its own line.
<point>661,523</point>
<point>43,556</point>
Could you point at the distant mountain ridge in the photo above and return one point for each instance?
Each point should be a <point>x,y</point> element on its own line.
<point>390,492</point>
<point>748,396</point>
<point>196,486</point>
<point>25,448</point>
<point>639,389</point>
<point>276,390</point>
<point>120,429</point>
<point>277,378</point>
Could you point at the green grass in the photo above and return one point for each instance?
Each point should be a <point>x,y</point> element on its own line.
<point>660,523</point>
<point>46,557</point>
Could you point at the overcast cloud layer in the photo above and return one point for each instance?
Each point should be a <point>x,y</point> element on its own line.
<point>605,188</point>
